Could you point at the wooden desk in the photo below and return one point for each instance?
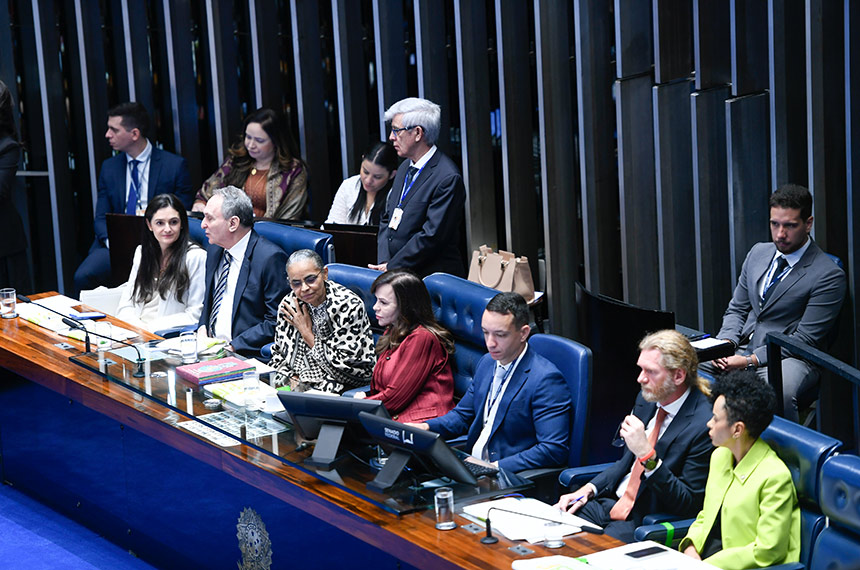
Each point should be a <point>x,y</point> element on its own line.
<point>31,359</point>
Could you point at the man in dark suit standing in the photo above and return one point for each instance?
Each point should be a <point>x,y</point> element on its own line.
<point>127,181</point>
<point>516,412</point>
<point>420,228</point>
<point>788,286</point>
<point>664,466</point>
<point>246,275</point>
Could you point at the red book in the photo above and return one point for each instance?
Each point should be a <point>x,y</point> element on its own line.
<point>219,370</point>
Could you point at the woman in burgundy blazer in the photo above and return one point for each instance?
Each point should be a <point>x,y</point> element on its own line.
<point>412,376</point>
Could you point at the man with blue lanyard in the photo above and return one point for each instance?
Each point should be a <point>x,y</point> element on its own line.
<point>127,181</point>
<point>788,286</point>
<point>516,412</point>
<point>420,227</point>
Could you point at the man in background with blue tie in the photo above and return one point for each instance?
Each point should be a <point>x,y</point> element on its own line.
<point>788,286</point>
<point>516,412</point>
<point>126,183</point>
<point>246,275</point>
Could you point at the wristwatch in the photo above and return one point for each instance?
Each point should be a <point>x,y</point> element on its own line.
<point>750,363</point>
<point>649,462</point>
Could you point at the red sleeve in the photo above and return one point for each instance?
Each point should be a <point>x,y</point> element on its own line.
<point>400,374</point>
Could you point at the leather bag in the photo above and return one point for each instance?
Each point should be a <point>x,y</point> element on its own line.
<point>502,270</point>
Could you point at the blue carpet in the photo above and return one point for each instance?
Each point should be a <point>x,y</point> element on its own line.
<point>35,537</point>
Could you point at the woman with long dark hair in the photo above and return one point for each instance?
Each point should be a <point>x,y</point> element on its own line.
<point>266,164</point>
<point>412,376</point>
<point>168,275</point>
<point>13,242</point>
<point>360,200</point>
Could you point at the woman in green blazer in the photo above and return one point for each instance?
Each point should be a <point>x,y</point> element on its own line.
<point>750,518</point>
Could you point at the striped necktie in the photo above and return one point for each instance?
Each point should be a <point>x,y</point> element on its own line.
<point>220,287</point>
<point>621,509</point>
<point>134,191</point>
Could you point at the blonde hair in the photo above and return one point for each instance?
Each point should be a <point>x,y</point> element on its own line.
<point>676,353</point>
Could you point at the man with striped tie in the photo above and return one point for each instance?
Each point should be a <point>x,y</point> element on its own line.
<point>127,181</point>
<point>245,275</point>
<point>787,286</point>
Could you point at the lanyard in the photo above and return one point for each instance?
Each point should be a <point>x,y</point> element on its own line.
<point>493,398</point>
<point>405,191</point>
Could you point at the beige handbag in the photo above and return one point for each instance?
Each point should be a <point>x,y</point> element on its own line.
<point>502,270</point>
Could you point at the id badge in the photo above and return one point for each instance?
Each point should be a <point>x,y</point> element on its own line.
<point>395,218</point>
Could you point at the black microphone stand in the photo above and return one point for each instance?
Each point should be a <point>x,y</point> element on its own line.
<point>490,539</point>
<point>140,360</point>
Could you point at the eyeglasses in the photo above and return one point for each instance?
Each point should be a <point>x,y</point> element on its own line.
<point>396,131</point>
<point>309,280</point>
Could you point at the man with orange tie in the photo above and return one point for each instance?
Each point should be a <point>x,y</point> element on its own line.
<point>667,449</point>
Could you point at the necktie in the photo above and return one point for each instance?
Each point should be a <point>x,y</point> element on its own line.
<point>220,287</point>
<point>621,509</point>
<point>407,182</point>
<point>781,264</point>
<point>498,379</point>
<point>134,192</point>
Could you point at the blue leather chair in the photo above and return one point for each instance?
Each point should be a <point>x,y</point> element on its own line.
<point>358,280</point>
<point>290,239</point>
<point>459,306</point>
<point>804,452</point>
<point>196,232</point>
<point>838,545</point>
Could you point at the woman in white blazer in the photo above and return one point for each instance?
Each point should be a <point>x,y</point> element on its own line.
<point>168,275</point>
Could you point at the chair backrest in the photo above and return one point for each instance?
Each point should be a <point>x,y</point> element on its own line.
<point>574,362</point>
<point>838,545</point>
<point>459,306</point>
<point>804,452</point>
<point>196,232</point>
<point>291,239</point>
<point>358,280</point>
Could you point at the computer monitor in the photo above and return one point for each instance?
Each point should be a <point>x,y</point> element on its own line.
<point>408,441</point>
<point>326,418</point>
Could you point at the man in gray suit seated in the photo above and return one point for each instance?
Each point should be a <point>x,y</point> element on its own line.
<point>789,286</point>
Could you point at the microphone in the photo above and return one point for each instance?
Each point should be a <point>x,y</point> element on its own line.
<point>140,360</point>
<point>490,539</point>
<point>66,320</point>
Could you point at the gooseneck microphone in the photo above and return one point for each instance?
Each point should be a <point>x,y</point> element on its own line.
<point>140,360</point>
<point>66,320</point>
<point>490,539</point>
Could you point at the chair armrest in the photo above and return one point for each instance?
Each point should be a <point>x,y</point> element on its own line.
<point>545,481</point>
<point>657,518</point>
<point>579,476</point>
<point>666,533</point>
<point>266,351</point>
<point>788,566</point>
<point>354,391</point>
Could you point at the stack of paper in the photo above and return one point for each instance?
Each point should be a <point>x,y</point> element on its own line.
<point>551,563</point>
<point>516,526</point>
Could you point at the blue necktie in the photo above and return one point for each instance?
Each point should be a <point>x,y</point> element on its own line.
<point>781,264</point>
<point>220,287</point>
<point>134,192</point>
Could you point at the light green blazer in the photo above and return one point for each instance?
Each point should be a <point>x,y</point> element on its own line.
<point>759,515</point>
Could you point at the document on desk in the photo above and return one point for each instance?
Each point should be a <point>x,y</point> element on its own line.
<point>515,526</point>
<point>647,555</point>
<point>555,562</point>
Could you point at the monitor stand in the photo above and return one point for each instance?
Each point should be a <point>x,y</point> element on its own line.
<point>325,451</point>
<point>388,475</point>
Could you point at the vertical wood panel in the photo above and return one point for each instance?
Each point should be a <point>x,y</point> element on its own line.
<point>673,39</point>
<point>634,53</point>
<point>639,259</point>
<point>748,175</point>
<point>473,79</point>
<point>390,62</point>
<point>431,51</point>
<point>598,165</point>
<point>521,200</point>
<point>711,205</point>
<point>224,74</point>
<point>852,153</point>
<point>562,240</point>
<point>749,46</point>
<point>711,48</point>
<point>674,186</point>
<point>351,85</point>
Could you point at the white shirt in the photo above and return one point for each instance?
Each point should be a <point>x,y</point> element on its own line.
<point>420,164</point>
<point>479,449</point>
<point>792,259</point>
<point>142,176</point>
<point>224,320</point>
<point>671,411</point>
<point>343,201</point>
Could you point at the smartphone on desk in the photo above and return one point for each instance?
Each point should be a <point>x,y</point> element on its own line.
<point>643,552</point>
<point>87,315</point>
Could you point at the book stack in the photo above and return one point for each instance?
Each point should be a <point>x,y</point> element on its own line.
<point>219,370</point>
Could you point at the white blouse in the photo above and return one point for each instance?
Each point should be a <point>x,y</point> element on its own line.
<point>343,201</point>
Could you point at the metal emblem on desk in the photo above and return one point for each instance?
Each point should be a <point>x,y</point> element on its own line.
<point>254,541</point>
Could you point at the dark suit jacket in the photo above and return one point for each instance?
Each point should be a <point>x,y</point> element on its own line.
<point>532,424</point>
<point>168,174</point>
<point>804,305</point>
<point>261,286</point>
<point>427,239</point>
<point>14,239</point>
<point>678,486</point>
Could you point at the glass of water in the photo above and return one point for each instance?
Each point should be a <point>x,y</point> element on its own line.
<point>7,304</point>
<point>188,347</point>
<point>250,389</point>
<point>444,497</point>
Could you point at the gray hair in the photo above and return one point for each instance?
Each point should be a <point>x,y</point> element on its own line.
<point>304,254</point>
<point>418,113</point>
<point>236,203</point>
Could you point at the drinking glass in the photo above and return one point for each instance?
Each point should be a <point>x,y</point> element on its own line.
<point>7,304</point>
<point>444,498</point>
